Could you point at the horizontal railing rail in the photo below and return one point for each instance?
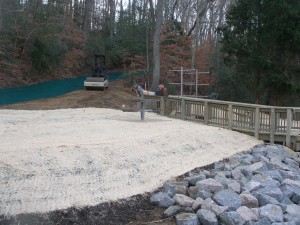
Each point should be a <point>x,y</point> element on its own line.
<point>271,122</point>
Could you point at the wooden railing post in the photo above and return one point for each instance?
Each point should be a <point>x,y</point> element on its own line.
<point>230,116</point>
<point>206,112</point>
<point>162,106</point>
<point>264,121</point>
<point>257,123</point>
<point>288,127</point>
<point>183,109</point>
<point>272,126</point>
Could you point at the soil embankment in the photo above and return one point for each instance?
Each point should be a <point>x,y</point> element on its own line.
<point>69,163</point>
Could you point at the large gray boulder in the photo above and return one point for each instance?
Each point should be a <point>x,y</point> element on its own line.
<point>288,174</point>
<point>287,190</point>
<point>192,180</point>
<point>246,172</point>
<point>257,167</point>
<point>207,203</point>
<point>161,199</point>
<point>274,192</point>
<point>208,174</point>
<point>293,209</point>
<point>232,163</point>
<point>255,211</point>
<point>284,223</point>
<point>265,199</point>
<point>207,217</point>
<point>292,218</point>
<point>210,185</point>
<point>172,210</point>
<point>187,219</point>
<point>272,213</point>
<point>234,186</point>
<point>197,204</point>
<point>292,188</point>
<point>291,163</point>
<point>228,198</point>
<point>276,163</point>
<point>222,179</point>
<point>263,221</point>
<point>280,152</point>
<point>196,191</point>
<point>296,196</point>
<point>265,181</point>
<point>218,210</point>
<point>274,174</point>
<point>249,200</point>
<point>259,151</point>
<point>219,165</point>
<point>173,187</point>
<point>247,214</point>
<point>237,174</point>
<point>227,173</point>
<point>286,201</point>
<point>248,159</point>
<point>292,183</point>
<point>252,186</point>
<point>232,218</point>
<point>184,200</point>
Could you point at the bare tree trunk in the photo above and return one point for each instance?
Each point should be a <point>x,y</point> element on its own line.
<point>173,10</point>
<point>144,15</point>
<point>1,15</point>
<point>185,14</point>
<point>121,6</point>
<point>201,11</point>
<point>39,3</point>
<point>152,14</point>
<point>69,8</point>
<point>76,12</point>
<point>88,7</point>
<point>112,11</point>
<point>156,43</point>
<point>133,12</point>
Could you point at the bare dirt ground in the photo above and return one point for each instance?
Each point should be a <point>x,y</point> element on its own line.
<point>53,135</point>
<point>119,93</point>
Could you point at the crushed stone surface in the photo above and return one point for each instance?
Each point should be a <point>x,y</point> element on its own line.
<point>55,159</point>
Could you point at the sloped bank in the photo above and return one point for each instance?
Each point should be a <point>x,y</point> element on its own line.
<point>57,159</point>
<point>260,186</point>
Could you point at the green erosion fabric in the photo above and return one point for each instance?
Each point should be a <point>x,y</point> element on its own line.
<point>46,89</point>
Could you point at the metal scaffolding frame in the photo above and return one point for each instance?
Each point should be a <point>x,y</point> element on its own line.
<point>189,71</point>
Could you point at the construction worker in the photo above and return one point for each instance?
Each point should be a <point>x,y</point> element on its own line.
<point>161,90</point>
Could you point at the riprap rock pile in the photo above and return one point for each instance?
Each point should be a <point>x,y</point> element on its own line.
<point>260,186</point>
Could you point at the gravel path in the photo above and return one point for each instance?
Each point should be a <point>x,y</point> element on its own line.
<point>78,157</point>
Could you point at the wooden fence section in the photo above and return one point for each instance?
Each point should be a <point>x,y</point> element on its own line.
<point>268,123</point>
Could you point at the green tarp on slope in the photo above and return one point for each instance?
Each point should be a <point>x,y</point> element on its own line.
<point>46,89</point>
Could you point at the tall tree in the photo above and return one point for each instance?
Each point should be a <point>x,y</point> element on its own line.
<point>156,43</point>
<point>112,13</point>
<point>201,8</point>
<point>88,11</point>
<point>264,47</point>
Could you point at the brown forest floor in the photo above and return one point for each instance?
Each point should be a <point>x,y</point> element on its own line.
<point>133,211</point>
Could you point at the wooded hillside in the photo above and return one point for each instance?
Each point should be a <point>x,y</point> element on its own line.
<point>250,52</point>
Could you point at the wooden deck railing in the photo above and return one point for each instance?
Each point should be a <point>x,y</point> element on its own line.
<point>273,124</point>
